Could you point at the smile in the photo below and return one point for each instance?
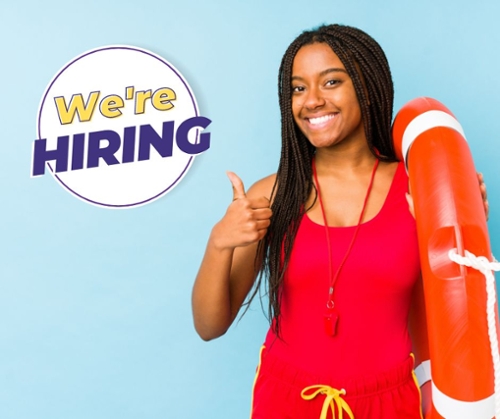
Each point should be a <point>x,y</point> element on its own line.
<point>321,119</point>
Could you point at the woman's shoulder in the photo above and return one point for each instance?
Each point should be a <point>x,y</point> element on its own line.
<point>389,171</point>
<point>263,187</point>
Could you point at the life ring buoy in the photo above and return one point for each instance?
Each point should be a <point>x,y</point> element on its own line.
<point>462,357</point>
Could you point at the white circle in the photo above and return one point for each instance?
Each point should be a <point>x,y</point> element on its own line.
<point>110,71</point>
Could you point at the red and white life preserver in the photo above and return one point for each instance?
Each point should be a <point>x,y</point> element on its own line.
<point>455,339</point>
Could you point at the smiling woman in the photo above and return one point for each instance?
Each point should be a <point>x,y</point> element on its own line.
<point>324,102</point>
<point>333,239</point>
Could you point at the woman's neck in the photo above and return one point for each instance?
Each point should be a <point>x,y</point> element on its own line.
<point>335,161</point>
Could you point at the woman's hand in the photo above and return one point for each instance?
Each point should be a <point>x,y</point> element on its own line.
<point>484,194</point>
<point>411,207</point>
<point>482,189</point>
<point>246,219</point>
<point>229,266</point>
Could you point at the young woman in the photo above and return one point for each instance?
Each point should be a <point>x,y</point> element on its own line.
<point>333,238</point>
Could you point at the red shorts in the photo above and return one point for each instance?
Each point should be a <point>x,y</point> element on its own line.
<point>279,393</point>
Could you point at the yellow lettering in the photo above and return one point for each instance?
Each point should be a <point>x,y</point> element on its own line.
<point>76,106</point>
<point>140,100</point>
<point>162,99</point>
<point>110,106</point>
<point>129,92</point>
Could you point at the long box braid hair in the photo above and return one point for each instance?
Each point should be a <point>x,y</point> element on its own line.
<point>367,65</point>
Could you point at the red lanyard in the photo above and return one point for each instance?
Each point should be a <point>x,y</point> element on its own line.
<point>331,315</point>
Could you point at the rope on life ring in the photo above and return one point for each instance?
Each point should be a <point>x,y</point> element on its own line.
<point>486,267</point>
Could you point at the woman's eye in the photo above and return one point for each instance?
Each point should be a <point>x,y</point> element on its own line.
<point>297,89</point>
<point>332,82</point>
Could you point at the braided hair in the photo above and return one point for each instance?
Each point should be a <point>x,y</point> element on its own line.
<point>367,65</point>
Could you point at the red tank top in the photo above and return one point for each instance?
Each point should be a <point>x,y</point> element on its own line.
<point>372,293</point>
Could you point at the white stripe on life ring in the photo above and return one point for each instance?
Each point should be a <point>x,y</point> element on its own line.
<point>456,409</point>
<point>424,122</point>
<point>423,372</point>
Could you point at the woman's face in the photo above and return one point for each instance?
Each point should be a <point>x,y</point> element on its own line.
<point>324,102</point>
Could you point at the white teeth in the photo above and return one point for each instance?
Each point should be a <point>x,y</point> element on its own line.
<point>321,119</point>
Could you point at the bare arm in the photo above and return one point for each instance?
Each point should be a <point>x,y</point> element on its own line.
<point>227,271</point>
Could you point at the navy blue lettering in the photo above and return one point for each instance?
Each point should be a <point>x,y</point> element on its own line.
<point>128,145</point>
<point>162,144</point>
<point>105,144</point>
<point>78,150</point>
<point>107,153</point>
<point>41,155</point>
<point>182,135</point>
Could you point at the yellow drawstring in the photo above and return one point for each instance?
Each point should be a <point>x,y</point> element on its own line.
<point>332,396</point>
<point>415,380</point>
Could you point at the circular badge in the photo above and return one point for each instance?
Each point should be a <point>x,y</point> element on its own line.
<point>118,127</point>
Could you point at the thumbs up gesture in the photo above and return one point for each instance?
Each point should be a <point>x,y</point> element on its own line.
<point>246,220</point>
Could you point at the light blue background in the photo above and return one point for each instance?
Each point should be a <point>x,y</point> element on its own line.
<point>95,317</point>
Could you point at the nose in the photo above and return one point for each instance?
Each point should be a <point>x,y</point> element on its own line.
<point>314,98</point>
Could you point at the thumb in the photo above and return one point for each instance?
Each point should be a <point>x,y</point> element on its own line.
<point>238,188</point>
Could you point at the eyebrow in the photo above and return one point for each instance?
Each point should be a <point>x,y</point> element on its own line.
<point>324,73</point>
